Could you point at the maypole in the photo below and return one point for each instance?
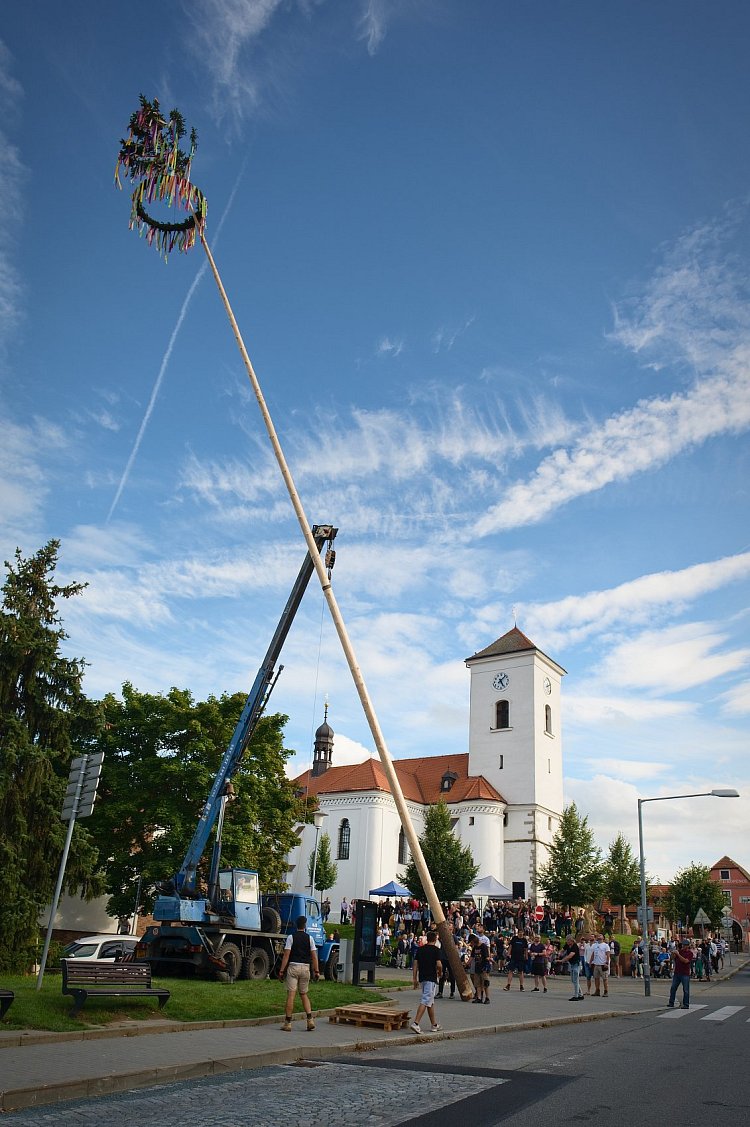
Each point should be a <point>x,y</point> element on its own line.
<point>151,157</point>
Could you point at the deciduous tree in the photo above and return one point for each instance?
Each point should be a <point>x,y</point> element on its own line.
<point>162,752</point>
<point>622,875</point>
<point>692,889</point>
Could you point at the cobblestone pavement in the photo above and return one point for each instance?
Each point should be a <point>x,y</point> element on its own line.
<point>336,1095</point>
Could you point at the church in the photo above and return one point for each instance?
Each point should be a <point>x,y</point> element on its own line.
<point>505,795</point>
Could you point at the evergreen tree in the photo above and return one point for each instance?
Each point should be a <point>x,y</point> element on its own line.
<point>45,720</point>
<point>622,875</point>
<point>162,752</point>
<point>326,869</point>
<point>574,873</point>
<point>692,889</point>
<point>450,864</point>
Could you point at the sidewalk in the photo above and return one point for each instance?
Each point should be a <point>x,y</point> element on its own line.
<point>45,1068</point>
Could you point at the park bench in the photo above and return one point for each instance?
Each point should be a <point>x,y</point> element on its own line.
<point>87,978</point>
<point>6,999</point>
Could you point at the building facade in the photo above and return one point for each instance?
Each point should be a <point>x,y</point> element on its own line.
<point>504,795</point>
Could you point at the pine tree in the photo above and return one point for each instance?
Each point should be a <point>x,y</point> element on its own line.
<point>326,869</point>
<point>574,874</point>
<point>450,864</point>
<point>622,875</point>
<point>45,720</point>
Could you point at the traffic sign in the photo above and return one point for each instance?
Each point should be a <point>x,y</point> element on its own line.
<point>701,917</point>
<point>649,915</point>
<point>539,912</point>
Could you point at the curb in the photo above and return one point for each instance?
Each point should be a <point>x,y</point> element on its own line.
<point>19,1098</point>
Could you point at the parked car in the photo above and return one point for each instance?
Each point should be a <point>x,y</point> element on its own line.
<point>104,948</point>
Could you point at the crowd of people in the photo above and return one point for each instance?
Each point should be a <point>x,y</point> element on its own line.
<point>505,938</point>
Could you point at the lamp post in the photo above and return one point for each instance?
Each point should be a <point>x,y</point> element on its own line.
<point>719,792</point>
<point>318,817</point>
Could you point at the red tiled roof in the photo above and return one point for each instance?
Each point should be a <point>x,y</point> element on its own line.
<point>420,780</point>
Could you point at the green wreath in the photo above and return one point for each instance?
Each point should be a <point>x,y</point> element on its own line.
<point>152,159</point>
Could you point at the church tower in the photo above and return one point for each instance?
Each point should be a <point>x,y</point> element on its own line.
<point>515,741</point>
<point>323,748</point>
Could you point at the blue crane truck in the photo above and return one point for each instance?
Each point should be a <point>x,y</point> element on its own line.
<point>234,931</point>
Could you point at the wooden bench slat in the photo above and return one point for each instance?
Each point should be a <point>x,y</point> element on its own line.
<point>126,979</point>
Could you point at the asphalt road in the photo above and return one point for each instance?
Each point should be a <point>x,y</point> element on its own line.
<point>668,1066</point>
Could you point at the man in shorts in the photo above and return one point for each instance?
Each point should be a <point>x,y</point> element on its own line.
<point>600,963</point>
<point>301,958</point>
<point>426,971</point>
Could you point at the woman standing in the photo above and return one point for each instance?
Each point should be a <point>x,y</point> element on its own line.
<point>538,963</point>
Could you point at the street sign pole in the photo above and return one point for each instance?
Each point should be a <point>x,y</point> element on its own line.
<point>78,803</point>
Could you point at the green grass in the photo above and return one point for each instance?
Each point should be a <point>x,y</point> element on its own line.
<point>191,1000</point>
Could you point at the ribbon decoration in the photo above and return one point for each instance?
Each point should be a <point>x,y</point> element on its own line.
<point>152,159</point>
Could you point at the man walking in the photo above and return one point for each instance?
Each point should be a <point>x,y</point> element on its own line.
<point>683,962</point>
<point>426,970</point>
<point>301,958</point>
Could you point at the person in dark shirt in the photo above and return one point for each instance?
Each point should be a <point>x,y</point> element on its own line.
<point>299,962</point>
<point>571,955</point>
<point>519,949</point>
<point>683,961</point>
<point>426,970</point>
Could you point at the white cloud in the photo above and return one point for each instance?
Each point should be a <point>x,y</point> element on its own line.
<point>577,617</point>
<point>694,316</point>
<point>12,177</point>
<point>672,660</point>
<point>373,23</point>
<point>445,337</point>
<point>618,712</point>
<point>388,347</point>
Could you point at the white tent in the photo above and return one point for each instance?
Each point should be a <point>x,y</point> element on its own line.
<point>489,886</point>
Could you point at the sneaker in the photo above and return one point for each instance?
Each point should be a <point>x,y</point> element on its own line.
<point>310,1023</point>
<point>520,987</point>
<point>670,1005</point>
<point>436,1028</point>
<point>287,1027</point>
<point>486,1001</point>
<point>415,1028</point>
<point>535,990</point>
<point>545,989</point>
<point>684,1007</point>
<point>576,998</point>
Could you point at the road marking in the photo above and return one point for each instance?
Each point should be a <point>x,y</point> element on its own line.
<point>723,1013</point>
<point>680,1012</point>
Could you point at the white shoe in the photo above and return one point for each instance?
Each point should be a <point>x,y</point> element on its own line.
<point>415,1028</point>
<point>436,1029</point>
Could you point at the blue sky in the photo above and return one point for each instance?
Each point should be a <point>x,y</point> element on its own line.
<point>490,261</point>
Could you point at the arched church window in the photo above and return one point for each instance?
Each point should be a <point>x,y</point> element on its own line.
<point>548,719</point>
<point>502,714</point>
<point>345,834</point>
<point>403,854</point>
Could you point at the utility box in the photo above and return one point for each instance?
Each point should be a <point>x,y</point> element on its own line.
<point>346,961</point>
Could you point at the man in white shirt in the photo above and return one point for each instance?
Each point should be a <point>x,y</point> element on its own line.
<point>587,950</point>
<point>600,963</point>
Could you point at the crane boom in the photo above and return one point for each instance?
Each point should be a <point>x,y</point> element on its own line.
<point>185,880</point>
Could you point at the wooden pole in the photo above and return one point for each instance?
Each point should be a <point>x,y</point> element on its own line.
<point>443,928</point>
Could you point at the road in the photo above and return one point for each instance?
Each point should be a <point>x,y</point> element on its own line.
<point>675,1066</point>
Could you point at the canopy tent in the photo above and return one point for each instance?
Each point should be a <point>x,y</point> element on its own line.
<point>390,889</point>
<point>489,886</point>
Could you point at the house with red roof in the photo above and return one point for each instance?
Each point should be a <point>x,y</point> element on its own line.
<point>504,794</point>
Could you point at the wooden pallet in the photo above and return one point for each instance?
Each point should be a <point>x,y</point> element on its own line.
<point>377,1017</point>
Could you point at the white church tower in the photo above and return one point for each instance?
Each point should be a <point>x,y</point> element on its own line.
<point>515,742</point>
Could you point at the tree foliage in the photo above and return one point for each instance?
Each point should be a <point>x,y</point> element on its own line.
<point>326,869</point>
<point>691,889</point>
<point>162,752</point>
<point>450,864</point>
<point>574,873</point>
<point>45,720</point>
<point>622,874</point>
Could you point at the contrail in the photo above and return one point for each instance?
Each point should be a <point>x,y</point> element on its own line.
<point>168,353</point>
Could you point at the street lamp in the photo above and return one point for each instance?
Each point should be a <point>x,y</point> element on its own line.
<point>718,792</point>
<point>318,817</point>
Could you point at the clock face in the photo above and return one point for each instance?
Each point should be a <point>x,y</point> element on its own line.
<point>547,684</point>
<point>500,681</point>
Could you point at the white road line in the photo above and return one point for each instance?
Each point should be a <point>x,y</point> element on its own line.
<point>677,1012</point>
<point>723,1013</point>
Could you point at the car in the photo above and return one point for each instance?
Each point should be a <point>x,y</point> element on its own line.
<point>103,948</point>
